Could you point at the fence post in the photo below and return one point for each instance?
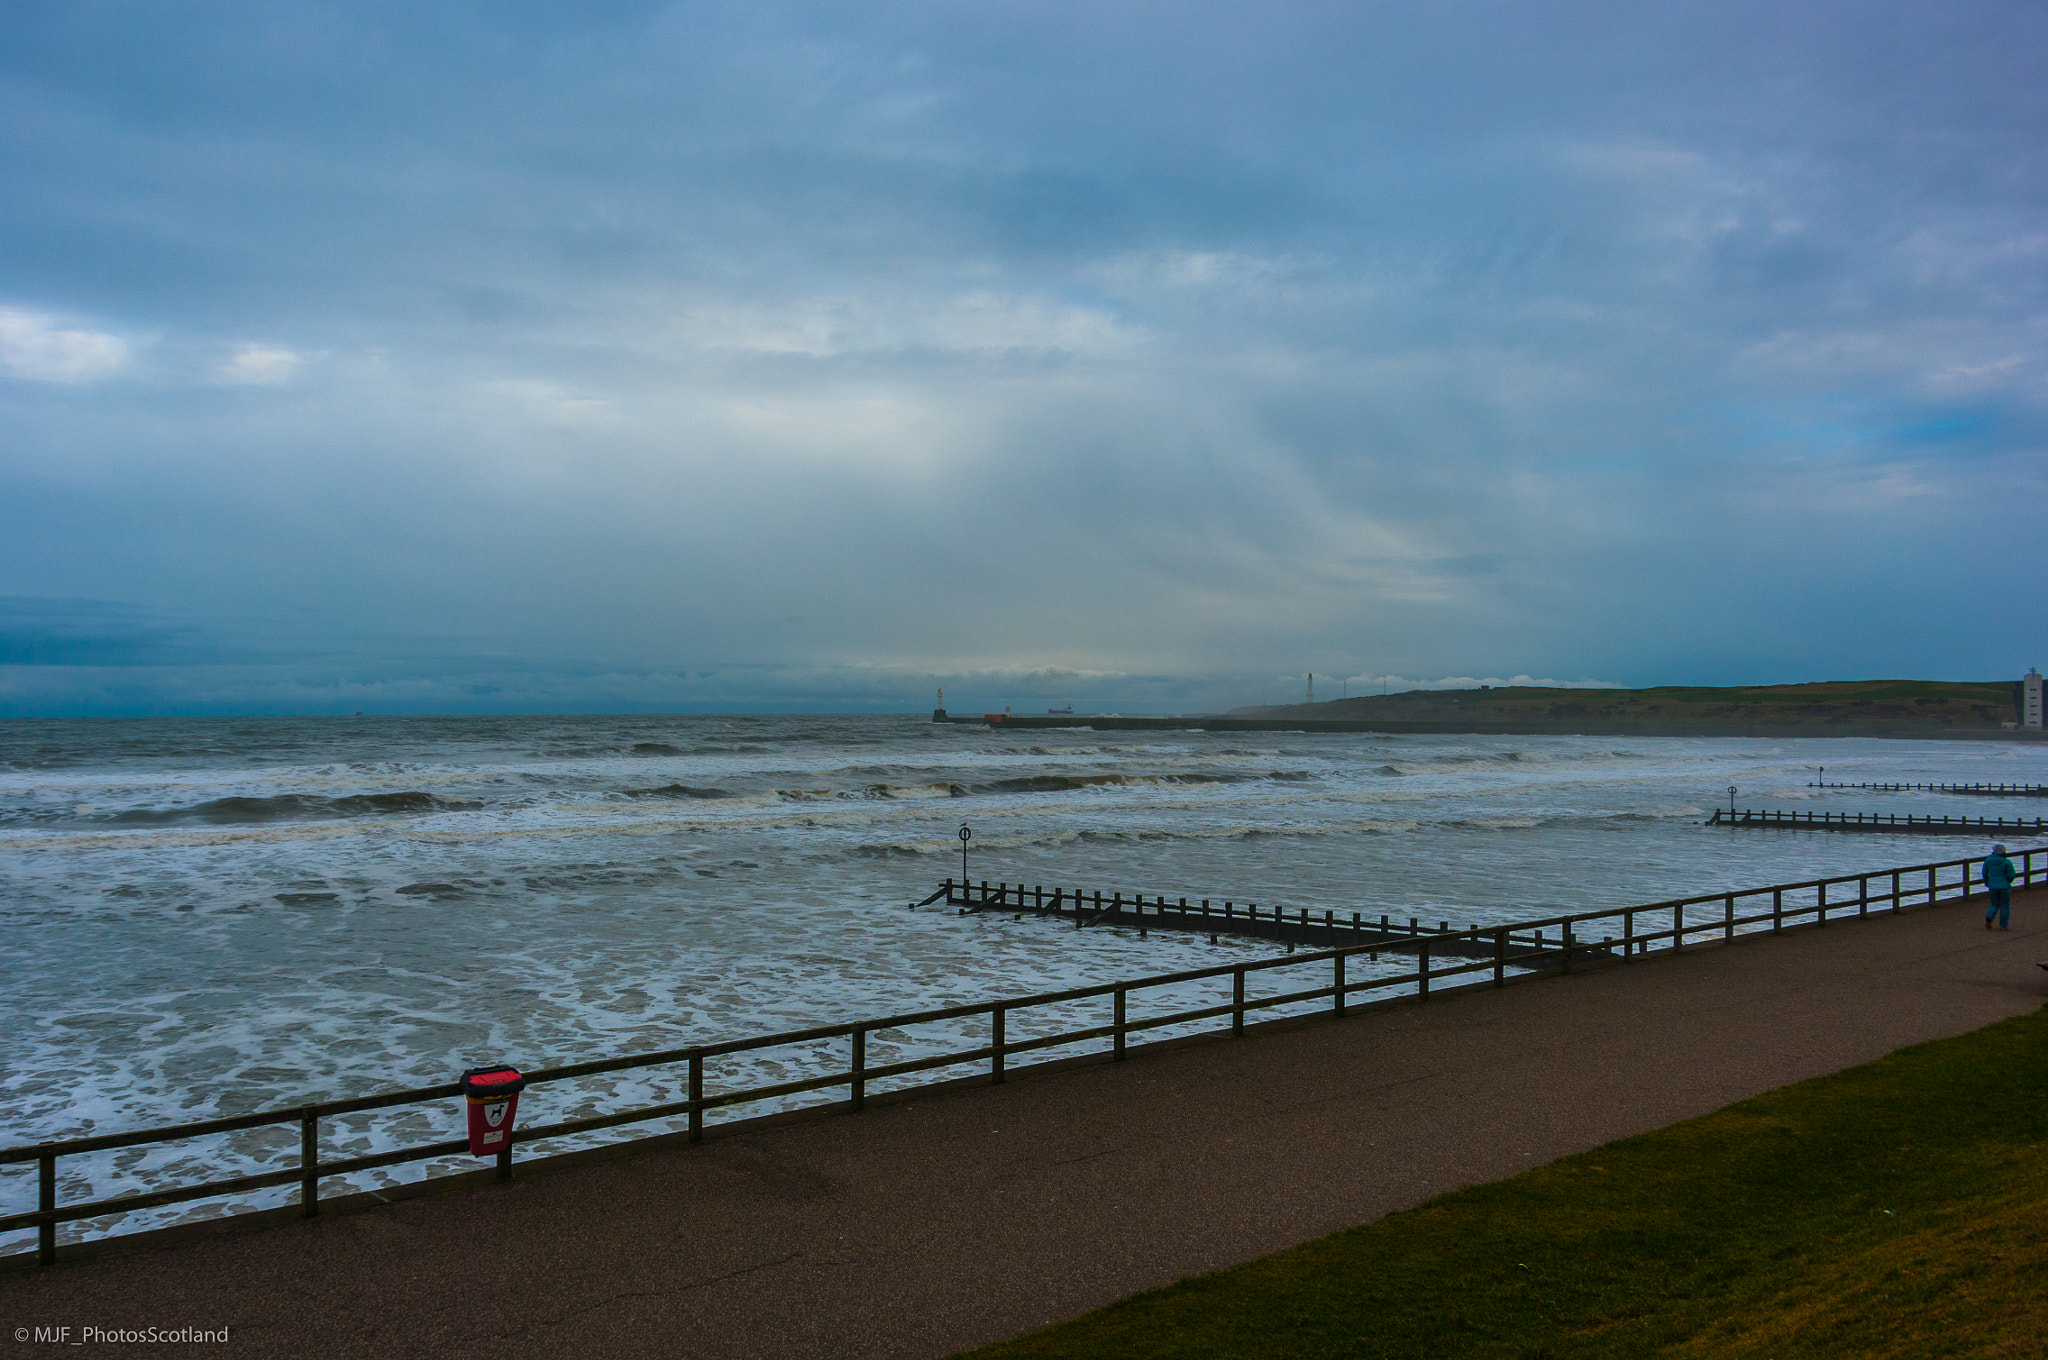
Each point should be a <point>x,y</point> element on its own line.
<point>309,1163</point>
<point>1565,957</point>
<point>1422,970</point>
<point>696,1097</point>
<point>1337,983</point>
<point>1678,928</point>
<point>1820,903</point>
<point>998,1040</point>
<point>1628,934</point>
<point>857,1076</point>
<point>1119,1023</point>
<point>1863,895</point>
<point>1500,956</point>
<point>1777,910</point>
<point>1237,1003</point>
<point>1728,918</point>
<point>46,1200</point>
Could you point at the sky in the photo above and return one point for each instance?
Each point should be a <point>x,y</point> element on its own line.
<point>510,356</point>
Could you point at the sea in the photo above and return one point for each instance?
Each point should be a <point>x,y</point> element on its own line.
<point>203,917</point>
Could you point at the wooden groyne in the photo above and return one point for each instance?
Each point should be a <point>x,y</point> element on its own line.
<point>1292,926</point>
<point>1984,790</point>
<point>1882,822</point>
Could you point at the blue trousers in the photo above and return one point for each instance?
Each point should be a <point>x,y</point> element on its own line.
<point>2001,907</point>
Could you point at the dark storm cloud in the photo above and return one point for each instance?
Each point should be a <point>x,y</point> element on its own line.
<point>771,354</point>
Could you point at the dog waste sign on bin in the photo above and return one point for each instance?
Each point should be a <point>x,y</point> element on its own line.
<point>492,1094</point>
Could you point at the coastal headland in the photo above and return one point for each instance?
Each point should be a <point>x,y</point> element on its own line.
<point>1916,709</point>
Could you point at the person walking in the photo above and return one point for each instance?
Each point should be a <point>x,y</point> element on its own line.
<point>1998,875</point>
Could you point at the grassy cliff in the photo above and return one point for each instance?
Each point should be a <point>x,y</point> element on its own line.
<point>1918,703</point>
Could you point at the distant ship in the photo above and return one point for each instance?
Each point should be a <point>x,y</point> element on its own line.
<point>1066,712</point>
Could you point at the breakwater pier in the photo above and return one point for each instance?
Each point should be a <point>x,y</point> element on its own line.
<point>1292,926</point>
<point>1980,790</point>
<point>1880,822</point>
<point>1504,727</point>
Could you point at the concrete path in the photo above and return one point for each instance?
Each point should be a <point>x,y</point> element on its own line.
<point>961,1218</point>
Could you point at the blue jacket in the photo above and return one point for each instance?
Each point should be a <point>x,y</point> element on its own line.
<point>1997,872</point>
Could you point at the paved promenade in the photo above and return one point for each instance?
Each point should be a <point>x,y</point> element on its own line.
<point>923,1228</point>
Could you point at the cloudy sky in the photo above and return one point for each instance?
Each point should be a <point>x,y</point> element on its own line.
<point>637,356</point>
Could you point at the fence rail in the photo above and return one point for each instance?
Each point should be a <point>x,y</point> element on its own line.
<point>1489,954</point>
<point>1882,821</point>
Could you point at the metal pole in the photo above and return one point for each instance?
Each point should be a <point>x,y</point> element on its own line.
<point>857,1077</point>
<point>46,1200</point>
<point>309,1163</point>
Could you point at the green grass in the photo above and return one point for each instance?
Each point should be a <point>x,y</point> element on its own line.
<point>1898,1209</point>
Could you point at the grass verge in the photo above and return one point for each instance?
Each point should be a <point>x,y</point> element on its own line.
<point>1898,1209</point>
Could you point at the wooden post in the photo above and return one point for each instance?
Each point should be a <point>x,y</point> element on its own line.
<point>997,1041</point>
<point>696,1097</point>
<point>1820,909</point>
<point>1898,896</point>
<point>1728,918</point>
<point>309,1163</point>
<point>1565,938</point>
<point>1500,956</point>
<point>1777,910</point>
<point>1628,934</point>
<point>1337,982</point>
<point>1237,1004</point>
<point>1422,970</point>
<point>1863,895</point>
<point>1678,928</point>
<point>1119,1023</point>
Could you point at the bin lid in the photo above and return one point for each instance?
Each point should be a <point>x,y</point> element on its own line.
<point>492,1081</point>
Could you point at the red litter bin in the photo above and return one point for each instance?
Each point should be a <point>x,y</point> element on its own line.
<point>493,1097</point>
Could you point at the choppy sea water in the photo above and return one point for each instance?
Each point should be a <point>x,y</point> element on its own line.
<point>211,916</point>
